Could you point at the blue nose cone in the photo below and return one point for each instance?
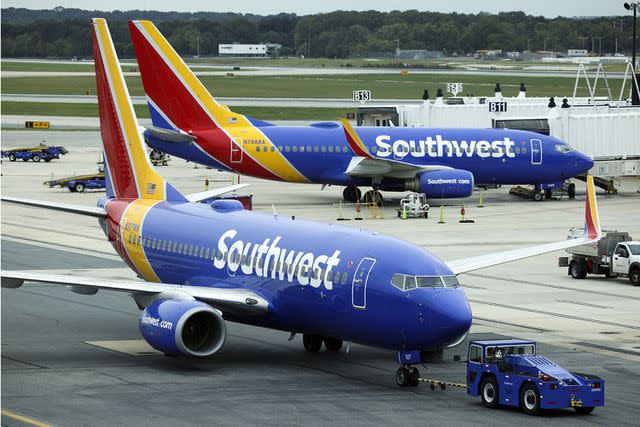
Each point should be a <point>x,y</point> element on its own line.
<point>583,163</point>
<point>449,317</point>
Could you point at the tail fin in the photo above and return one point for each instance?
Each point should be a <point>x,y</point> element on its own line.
<point>592,218</point>
<point>177,99</point>
<point>127,164</point>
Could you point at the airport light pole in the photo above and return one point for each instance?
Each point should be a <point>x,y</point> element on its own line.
<point>635,96</point>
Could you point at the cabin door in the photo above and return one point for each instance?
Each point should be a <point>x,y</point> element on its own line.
<point>536,152</point>
<point>236,151</point>
<point>359,286</point>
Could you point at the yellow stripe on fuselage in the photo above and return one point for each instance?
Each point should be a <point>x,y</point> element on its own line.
<point>593,209</point>
<point>131,225</point>
<point>150,183</point>
<point>237,126</point>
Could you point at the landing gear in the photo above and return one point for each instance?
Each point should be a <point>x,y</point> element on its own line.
<point>351,193</point>
<point>332,344</point>
<point>312,343</point>
<point>373,196</point>
<point>407,376</point>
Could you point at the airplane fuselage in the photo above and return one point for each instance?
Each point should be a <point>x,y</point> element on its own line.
<point>318,278</point>
<point>320,153</point>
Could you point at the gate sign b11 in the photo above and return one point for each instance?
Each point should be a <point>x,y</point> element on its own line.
<point>497,106</point>
<point>362,95</point>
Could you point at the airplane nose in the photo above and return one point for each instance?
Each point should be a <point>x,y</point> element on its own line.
<point>450,317</point>
<point>583,163</point>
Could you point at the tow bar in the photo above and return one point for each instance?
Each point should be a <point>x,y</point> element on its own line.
<point>441,384</point>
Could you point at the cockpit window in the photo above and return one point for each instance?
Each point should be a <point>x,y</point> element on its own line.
<point>407,282</point>
<point>429,282</point>
<point>563,148</point>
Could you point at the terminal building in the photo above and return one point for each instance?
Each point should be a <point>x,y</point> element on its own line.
<point>239,49</point>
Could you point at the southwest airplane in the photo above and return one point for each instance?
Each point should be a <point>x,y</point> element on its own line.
<point>203,265</point>
<point>442,163</point>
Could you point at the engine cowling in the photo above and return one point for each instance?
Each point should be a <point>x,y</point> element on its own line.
<point>183,327</point>
<point>445,183</point>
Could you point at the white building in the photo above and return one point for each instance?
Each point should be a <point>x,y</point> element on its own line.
<point>238,49</point>
<point>577,52</point>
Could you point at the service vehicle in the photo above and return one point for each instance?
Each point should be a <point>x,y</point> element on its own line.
<point>159,158</point>
<point>414,206</point>
<point>77,184</point>
<point>41,152</point>
<point>616,254</point>
<point>509,372</point>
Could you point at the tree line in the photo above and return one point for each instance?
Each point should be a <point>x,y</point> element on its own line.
<point>64,33</point>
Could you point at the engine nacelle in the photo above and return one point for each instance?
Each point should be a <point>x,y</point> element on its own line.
<point>186,327</point>
<point>445,183</point>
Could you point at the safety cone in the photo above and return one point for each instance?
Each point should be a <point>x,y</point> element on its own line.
<point>480,205</point>
<point>340,216</point>
<point>206,183</point>
<point>462,218</point>
<point>358,216</point>
<point>441,220</point>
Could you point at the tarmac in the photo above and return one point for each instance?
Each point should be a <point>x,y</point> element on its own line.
<point>69,359</point>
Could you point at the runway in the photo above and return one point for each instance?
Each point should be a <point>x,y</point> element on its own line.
<point>69,359</point>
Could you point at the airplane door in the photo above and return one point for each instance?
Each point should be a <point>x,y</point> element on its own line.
<point>536,152</point>
<point>359,286</point>
<point>236,152</point>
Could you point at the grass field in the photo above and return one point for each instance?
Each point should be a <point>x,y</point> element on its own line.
<point>54,66</point>
<point>91,110</point>
<point>382,86</point>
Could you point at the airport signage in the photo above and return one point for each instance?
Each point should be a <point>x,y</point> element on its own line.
<point>362,95</point>
<point>498,106</point>
<point>36,125</point>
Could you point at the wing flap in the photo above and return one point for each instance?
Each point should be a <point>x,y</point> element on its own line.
<point>203,195</point>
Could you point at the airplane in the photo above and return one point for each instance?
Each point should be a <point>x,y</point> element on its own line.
<point>442,163</point>
<point>204,265</point>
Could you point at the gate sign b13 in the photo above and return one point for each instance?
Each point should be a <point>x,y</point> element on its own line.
<point>362,95</point>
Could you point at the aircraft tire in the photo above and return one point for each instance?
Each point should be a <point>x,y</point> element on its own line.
<point>351,193</point>
<point>312,343</point>
<point>414,377</point>
<point>403,376</point>
<point>333,344</point>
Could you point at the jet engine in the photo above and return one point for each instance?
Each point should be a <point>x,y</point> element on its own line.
<point>183,327</point>
<point>445,183</point>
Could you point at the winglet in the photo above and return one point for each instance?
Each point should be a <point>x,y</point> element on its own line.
<point>354,140</point>
<point>592,219</point>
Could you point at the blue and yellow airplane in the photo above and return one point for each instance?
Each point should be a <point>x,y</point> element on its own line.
<point>203,265</point>
<point>442,163</point>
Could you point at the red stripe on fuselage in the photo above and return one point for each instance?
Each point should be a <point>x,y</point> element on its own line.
<point>115,146</point>
<point>115,210</point>
<point>174,99</point>
<point>354,146</point>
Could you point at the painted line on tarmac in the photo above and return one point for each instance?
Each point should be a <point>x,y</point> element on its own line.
<point>550,313</point>
<point>606,347</point>
<point>501,322</point>
<point>546,285</point>
<point>49,230</point>
<point>24,419</point>
<point>586,304</point>
<point>59,247</point>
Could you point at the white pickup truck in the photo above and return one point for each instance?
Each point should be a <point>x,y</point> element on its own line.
<point>616,254</point>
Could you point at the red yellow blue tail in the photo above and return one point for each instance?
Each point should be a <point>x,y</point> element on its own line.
<point>127,164</point>
<point>592,218</point>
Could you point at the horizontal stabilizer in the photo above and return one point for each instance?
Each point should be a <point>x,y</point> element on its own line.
<point>203,195</point>
<point>168,135</point>
<point>64,207</point>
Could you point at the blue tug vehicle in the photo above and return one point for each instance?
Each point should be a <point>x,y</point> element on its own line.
<point>510,373</point>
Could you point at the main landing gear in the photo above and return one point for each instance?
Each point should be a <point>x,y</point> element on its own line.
<point>313,343</point>
<point>353,194</point>
<point>407,376</point>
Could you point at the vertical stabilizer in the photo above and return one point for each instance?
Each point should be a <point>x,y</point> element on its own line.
<point>126,161</point>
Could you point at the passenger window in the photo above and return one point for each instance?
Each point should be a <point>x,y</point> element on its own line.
<point>309,148</point>
<point>184,249</point>
<point>294,148</point>
<point>280,148</point>
<point>302,148</point>
<point>206,254</point>
<point>153,244</point>
<point>139,240</point>
<point>344,149</point>
<point>257,148</point>
<point>180,248</point>
<point>273,148</point>
<point>192,251</point>
<point>517,150</point>
<point>316,273</point>
<point>331,148</point>
<point>329,274</point>
<point>315,149</point>
<point>324,149</point>
<point>201,251</point>
<point>130,236</point>
<point>337,148</point>
<point>374,149</point>
<point>524,150</point>
<point>164,245</point>
<point>344,278</point>
<point>287,148</point>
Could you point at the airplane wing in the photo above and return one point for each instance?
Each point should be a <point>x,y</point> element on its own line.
<point>56,206</point>
<point>363,164</point>
<point>592,234</point>
<point>202,195</point>
<point>228,300</point>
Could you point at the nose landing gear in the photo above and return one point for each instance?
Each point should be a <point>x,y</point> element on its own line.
<point>407,376</point>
